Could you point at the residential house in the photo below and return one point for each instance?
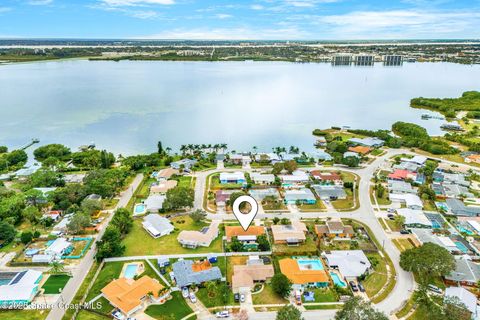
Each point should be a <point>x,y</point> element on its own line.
<point>297,177</point>
<point>183,164</point>
<point>267,158</point>
<point>19,288</point>
<point>414,218</point>
<point>260,194</point>
<point>458,208</point>
<point>163,186</point>
<point>327,177</point>
<point>129,295</point>
<point>292,234</point>
<point>188,272</point>
<point>202,238</point>
<point>157,226</point>
<point>245,276</point>
<point>330,192</point>
<point>321,155</point>
<point>262,178</point>
<point>371,142</point>
<point>474,225</point>
<point>466,273</point>
<point>222,197</point>
<point>94,197</point>
<point>154,202</point>
<point>464,296</point>
<point>303,196</point>
<point>334,229</point>
<point>232,177</point>
<point>302,275</point>
<point>58,248</point>
<point>351,154</point>
<point>450,190</point>
<point>455,178</point>
<point>360,150</point>
<point>236,159</point>
<point>419,160</point>
<point>407,166</point>
<point>412,201</point>
<point>247,237</point>
<point>27,171</point>
<point>166,174</point>
<point>321,142</point>
<point>402,175</point>
<point>400,187</point>
<point>351,263</point>
<point>426,235</point>
<point>473,158</point>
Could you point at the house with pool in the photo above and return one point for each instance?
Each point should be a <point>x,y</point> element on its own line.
<point>351,264</point>
<point>247,237</point>
<point>305,272</point>
<point>232,177</point>
<point>203,238</point>
<point>302,196</point>
<point>292,234</point>
<point>188,272</point>
<point>334,229</point>
<point>19,288</point>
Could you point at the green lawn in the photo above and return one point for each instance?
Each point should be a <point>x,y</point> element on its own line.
<point>110,271</point>
<point>307,248</point>
<point>268,296</point>
<point>345,204</point>
<point>215,299</point>
<point>139,242</point>
<point>377,278</point>
<point>323,307</point>
<point>55,283</point>
<point>23,314</point>
<point>87,315</point>
<point>312,207</point>
<point>174,309</point>
<point>322,295</point>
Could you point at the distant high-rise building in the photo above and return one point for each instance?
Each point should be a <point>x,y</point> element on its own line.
<point>392,60</point>
<point>364,60</point>
<point>342,60</point>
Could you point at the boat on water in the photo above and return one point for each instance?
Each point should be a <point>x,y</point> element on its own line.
<point>427,116</point>
<point>451,127</point>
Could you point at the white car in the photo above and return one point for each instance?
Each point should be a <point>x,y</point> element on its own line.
<point>118,315</point>
<point>242,298</point>
<point>185,292</point>
<point>222,314</point>
<point>192,297</point>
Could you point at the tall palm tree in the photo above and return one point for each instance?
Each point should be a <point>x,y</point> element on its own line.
<point>255,148</point>
<point>223,146</point>
<point>168,150</point>
<point>183,149</point>
<point>56,267</point>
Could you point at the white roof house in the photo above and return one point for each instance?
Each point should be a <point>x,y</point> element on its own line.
<point>58,247</point>
<point>262,177</point>
<point>157,226</point>
<point>296,176</point>
<point>475,225</point>
<point>395,186</point>
<point>350,263</point>
<point>412,201</point>
<point>21,288</point>
<point>154,202</point>
<point>416,159</point>
<point>426,235</point>
<point>237,177</point>
<point>465,296</point>
<point>42,258</point>
<point>415,218</point>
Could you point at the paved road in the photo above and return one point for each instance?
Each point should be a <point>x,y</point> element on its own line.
<point>82,270</point>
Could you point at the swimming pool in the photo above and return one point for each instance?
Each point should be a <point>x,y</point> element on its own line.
<point>461,247</point>
<point>140,208</point>
<point>131,271</point>
<point>336,280</point>
<point>310,264</point>
<point>465,230</point>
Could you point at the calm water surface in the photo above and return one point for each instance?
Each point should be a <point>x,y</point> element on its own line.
<point>128,106</point>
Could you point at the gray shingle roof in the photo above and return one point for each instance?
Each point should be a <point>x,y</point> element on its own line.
<point>465,270</point>
<point>460,209</point>
<point>185,276</point>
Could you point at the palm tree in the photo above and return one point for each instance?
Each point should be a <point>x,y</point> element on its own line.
<point>168,149</point>
<point>56,267</point>
<point>255,148</point>
<point>223,146</point>
<point>183,149</point>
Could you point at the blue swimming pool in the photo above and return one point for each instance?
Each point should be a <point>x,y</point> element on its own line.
<point>336,280</point>
<point>130,271</point>
<point>310,264</point>
<point>461,247</point>
<point>140,208</point>
<point>465,230</point>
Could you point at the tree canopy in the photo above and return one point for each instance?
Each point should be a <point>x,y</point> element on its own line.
<point>358,309</point>
<point>289,312</point>
<point>55,150</point>
<point>281,285</point>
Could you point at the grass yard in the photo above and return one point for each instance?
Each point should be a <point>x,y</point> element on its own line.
<point>267,296</point>
<point>312,207</point>
<point>403,244</point>
<point>174,309</point>
<point>87,315</point>
<point>55,283</point>
<point>215,299</point>
<point>377,278</point>
<point>429,205</point>
<point>232,261</point>
<point>23,314</point>
<point>307,248</point>
<point>139,242</point>
<point>323,307</point>
<point>393,226</point>
<point>110,271</point>
<point>345,204</point>
<point>322,295</point>
<point>186,181</point>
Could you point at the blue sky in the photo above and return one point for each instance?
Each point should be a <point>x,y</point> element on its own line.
<point>246,19</point>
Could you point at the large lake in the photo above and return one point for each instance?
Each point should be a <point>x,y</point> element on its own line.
<point>128,106</point>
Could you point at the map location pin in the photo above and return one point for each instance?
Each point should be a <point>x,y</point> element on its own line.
<point>245,219</point>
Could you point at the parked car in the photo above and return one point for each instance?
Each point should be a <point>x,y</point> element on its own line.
<point>391,210</point>
<point>192,297</point>
<point>353,286</point>
<point>298,298</point>
<point>222,314</point>
<point>185,292</point>
<point>236,297</point>
<point>360,287</point>
<point>172,276</point>
<point>435,289</point>
<point>403,231</point>
<point>116,314</point>
<point>242,298</point>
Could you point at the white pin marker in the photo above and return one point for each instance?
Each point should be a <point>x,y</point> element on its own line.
<point>245,219</point>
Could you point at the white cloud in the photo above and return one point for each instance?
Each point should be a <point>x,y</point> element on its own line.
<point>242,33</point>
<point>257,7</point>
<point>123,3</point>
<point>142,14</point>
<point>223,16</point>
<point>5,9</point>
<point>40,2</point>
<point>401,24</point>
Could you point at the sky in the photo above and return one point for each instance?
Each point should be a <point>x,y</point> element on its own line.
<point>241,19</point>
